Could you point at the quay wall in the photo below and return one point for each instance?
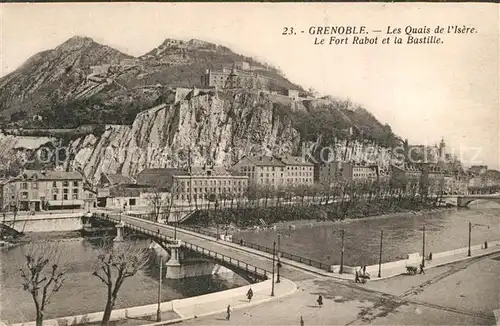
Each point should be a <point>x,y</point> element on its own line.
<point>148,310</point>
<point>47,222</point>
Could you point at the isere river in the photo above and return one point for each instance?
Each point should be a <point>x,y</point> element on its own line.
<point>403,234</point>
<point>84,293</point>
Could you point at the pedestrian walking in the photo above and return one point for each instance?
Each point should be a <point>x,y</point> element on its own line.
<point>422,268</point>
<point>228,316</point>
<point>356,277</point>
<point>320,300</point>
<point>241,242</point>
<point>364,269</point>
<point>301,321</point>
<point>249,294</point>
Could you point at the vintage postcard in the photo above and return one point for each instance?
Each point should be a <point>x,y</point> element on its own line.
<point>249,164</point>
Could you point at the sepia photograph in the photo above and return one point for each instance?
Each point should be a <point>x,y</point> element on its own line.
<point>249,164</point>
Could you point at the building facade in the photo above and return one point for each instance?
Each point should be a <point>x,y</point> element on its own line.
<point>275,172</point>
<point>230,78</point>
<point>355,172</point>
<point>432,179</point>
<point>297,171</point>
<point>197,184</point>
<point>262,170</point>
<point>36,190</point>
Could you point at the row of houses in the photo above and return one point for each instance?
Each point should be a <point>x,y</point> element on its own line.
<point>39,190</point>
<point>430,175</point>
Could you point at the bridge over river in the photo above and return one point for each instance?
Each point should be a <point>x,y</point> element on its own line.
<point>228,253</point>
<point>465,200</point>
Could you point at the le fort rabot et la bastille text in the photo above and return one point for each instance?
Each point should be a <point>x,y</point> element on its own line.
<point>362,35</point>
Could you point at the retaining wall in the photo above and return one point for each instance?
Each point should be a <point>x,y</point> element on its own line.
<point>48,223</point>
<point>148,310</point>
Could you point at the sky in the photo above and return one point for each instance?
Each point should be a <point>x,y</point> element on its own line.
<point>423,91</point>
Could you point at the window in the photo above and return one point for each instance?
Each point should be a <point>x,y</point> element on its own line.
<point>25,185</point>
<point>65,183</point>
<point>65,191</point>
<point>54,197</point>
<point>24,195</point>
<point>75,191</point>
<point>74,196</point>
<point>34,185</point>
<point>55,190</point>
<point>65,196</point>
<point>75,183</point>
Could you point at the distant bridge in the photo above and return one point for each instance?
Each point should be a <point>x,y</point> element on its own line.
<point>465,200</point>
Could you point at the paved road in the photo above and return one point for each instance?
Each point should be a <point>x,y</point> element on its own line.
<point>289,272</point>
<point>464,293</point>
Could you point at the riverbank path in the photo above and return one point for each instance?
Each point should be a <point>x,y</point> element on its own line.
<point>461,293</point>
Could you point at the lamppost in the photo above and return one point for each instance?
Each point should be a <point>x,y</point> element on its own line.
<point>342,253</point>
<point>278,265</point>
<point>215,217</point>
<point>158,311</point>
<point>423,246</point>
<point>380,254</point>
<point>272,283</point>
<point>470,231</point>
<point>176,214</point>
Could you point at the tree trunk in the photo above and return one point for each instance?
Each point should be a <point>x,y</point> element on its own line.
<point>107,311</point>
<point>39,318</point>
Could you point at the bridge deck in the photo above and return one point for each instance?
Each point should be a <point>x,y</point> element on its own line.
<point>234,255</point>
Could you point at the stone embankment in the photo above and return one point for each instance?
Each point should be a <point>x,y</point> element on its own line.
<point>187,308</point>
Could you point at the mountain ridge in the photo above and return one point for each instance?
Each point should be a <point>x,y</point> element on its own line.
<point>78,69</point>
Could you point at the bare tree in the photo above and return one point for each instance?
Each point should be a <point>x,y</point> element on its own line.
<point>43,274</point>
<point>115,263</point>
<point>157,200</point>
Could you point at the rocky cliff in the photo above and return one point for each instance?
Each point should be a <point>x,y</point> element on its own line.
<point>216,129</point>
<point>210,128</point>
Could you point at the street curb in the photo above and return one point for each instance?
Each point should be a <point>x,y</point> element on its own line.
<point>214,312</point>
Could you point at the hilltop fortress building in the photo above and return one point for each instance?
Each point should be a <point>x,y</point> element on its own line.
<point>238,76</point>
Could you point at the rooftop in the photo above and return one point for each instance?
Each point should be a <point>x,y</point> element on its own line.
<point>126,190</point>
<point>50,175</point>
<point>265,161</point>
<point>115,179</point>
<point>159,177</point>
<point>295,160</point>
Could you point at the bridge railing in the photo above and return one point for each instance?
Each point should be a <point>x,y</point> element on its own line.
<point>260,272</point>
<point>232,261</point>
<point>268,250</point>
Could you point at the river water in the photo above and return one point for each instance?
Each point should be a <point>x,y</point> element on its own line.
<point>84,293</point>
<point>445,230</point>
